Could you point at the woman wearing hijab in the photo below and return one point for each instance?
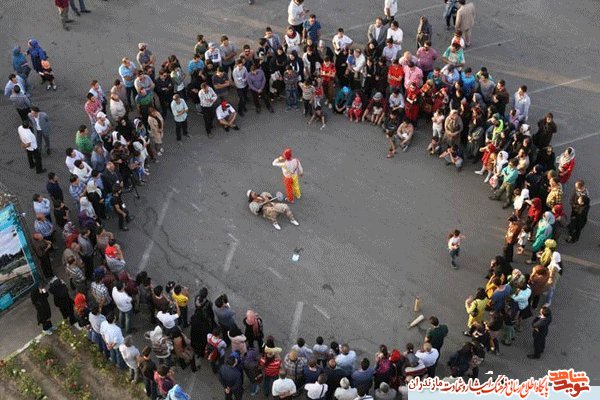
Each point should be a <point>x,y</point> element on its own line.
<point>560,220</point>
<point>424,31</point>
<point>254,329</point>
<point>546,158</point>
<point>202,322</point>
<point>538,281</point>
<point>94,196</point>
<point>566,164</point>
<point>87,214</point>
<point>39,298</point>
<point>37,55</point>
<point>501,161</point>
<point>579,214</point>
<point>157,130</point>
<point>546,128</point>
<point>20,65</point>
<point>543,233</point>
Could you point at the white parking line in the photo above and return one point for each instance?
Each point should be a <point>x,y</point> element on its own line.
<point>232,237</point>
<point>577,139</point>
<point>559,85</point>
<point>490,45</point>
<point>229,258</point>
<point>277,274</point>
<point>295,327</point>
<point>322,311</point>
<point>161,217</point>
<point>366,25</point>
<point>594,203</point>
<point>195,207</point>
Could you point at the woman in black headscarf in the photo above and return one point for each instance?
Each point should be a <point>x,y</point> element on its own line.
<point>202,322</point>
<point>39,298</point>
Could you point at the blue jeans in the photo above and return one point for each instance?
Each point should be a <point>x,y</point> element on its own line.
<point>454,253</point>
<point>116,358</point>
<point>97,339</point>
<point>291,98</point>
<point>267,385</point>
<point>125,320</point>
<point>81,5</point>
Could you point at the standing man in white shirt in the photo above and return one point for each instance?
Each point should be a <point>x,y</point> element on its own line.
<point>390,8</point>
<point>340,41</point>
<point>297,15</point>
<point>169,318</point>
<point>29,143</point>
<point>395,33</point>
<point>239,74</point>
<point>521,102</point>
<point>283,387</point>
<point>208,97</point>
<point>179,109</point>
<point>41,125</point>
<point>113,338</point>
<point>72,156</point>
<point>124,304</point>
<point>317,390</point>
<point>429,356</point>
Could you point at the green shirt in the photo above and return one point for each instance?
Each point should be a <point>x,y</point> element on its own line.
<point>84,143</point>
<point>436,336</point>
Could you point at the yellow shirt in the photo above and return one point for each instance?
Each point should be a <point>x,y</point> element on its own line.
<point>180,299</point>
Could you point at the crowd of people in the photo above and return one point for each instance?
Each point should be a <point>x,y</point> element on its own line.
<point>473,117</point>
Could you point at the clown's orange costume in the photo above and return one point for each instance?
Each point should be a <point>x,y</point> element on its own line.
<point>291,168</point>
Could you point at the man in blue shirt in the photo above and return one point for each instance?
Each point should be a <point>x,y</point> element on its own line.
<point>311,29</point>
<point>195,64</point>
<point>127,73</point>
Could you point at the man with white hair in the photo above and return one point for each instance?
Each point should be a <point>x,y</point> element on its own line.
<point>385,392</point>
<point>345,392</point>
<point>102,129</point>
<point>429,356</point>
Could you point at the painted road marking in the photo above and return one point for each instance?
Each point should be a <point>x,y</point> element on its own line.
<point>296,321</point>
<point>559,85</point>
<point>277,274</point>
<point>161,217</point>
<point>322,311</point>
<point>229,258</point>
<point>577,139</point>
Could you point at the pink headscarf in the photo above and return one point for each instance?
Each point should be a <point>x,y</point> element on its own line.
<point>252,320</point>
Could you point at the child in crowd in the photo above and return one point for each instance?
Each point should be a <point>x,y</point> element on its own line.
<point>319,115</point>
<point>438,124</point>
<point>47,75</point>
<point>355,110</point>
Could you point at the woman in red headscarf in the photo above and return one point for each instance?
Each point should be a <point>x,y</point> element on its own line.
<point>254,329</point>
<point>291,168</point>
<point>560,221</point>
<point>411,107</point>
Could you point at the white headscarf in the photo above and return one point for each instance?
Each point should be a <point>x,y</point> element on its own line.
<point>86,206</point>
<point>501,161</point>
<point>555,262</point>
<point>520,199</point>
<point>565,158</point>
<point>92,187</point>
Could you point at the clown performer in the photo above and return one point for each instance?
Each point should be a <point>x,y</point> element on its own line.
<point>291,168</point>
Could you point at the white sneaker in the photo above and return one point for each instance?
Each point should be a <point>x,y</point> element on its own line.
<point>276,226</point>
<point>294,222</point>
<point>479,172</point>
<point>47,333</point>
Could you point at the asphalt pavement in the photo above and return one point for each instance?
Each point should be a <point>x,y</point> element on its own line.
<point>372,230</point>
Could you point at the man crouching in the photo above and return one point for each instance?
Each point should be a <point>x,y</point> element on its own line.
<point>264,205</point>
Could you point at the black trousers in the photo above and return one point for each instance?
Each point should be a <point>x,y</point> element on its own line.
<point>265,97</point>
<point>88,263</point>
<point>181,127</point>
<point>35,160</point>
<point>123,219</point>
<point>131,93</point>
<point>46,265</point>
<point>539,344</point>
<point>243,98</point>
<point>208,113</point>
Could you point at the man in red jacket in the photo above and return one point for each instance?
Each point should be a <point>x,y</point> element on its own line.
<point>63,10</point>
